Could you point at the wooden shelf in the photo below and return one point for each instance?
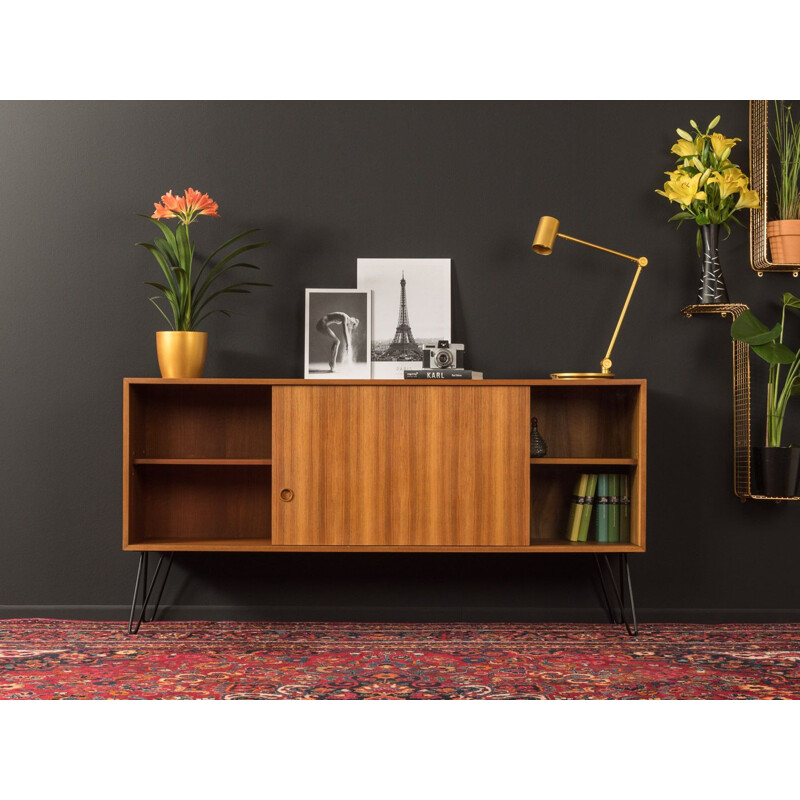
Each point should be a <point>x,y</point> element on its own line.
<point>742,437</point>
<point>200,545</point>
<point>759,173</point>
<point>585,462</point>
<point>206,462</point>
<point>262,545</point>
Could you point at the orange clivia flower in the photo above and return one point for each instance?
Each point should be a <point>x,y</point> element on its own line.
<point>186,207</point>
<point>201,204</point>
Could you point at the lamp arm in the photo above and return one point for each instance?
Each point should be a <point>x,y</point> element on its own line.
<point>642,262</point>
<point>606,362</point>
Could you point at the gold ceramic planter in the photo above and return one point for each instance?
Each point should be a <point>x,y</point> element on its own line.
<point>181,354</point>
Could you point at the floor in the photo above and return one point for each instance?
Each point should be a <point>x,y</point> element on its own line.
<point>57,659</point>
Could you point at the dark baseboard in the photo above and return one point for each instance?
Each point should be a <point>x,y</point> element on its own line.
<point>402,614</point>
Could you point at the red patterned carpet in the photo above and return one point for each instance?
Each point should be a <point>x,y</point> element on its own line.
<point>55,659</point>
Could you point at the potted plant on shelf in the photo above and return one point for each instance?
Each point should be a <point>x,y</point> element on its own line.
<point>784,232</point>
<point>710,189</point>
<point>775,468</point>
<point>182,350</point>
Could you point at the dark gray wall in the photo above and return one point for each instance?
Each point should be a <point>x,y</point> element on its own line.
<point>329,182</point>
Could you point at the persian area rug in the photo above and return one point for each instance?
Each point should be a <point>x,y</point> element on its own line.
<point>56,659</point>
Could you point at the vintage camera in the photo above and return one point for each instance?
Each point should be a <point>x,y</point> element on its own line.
<point>444,356</point>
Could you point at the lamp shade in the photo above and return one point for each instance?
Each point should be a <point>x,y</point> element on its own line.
<point>545,237</point>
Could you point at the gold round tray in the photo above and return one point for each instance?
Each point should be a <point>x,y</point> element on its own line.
<point>576,376</point>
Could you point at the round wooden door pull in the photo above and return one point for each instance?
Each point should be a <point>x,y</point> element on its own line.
<point>287,495</point>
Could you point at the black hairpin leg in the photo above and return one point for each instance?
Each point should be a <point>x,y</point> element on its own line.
<point>146,591</point>
<point>632,624</point>
<point>611,615</point>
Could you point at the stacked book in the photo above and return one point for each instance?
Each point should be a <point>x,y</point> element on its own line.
<point>608,495</point>
<point>443,374</point>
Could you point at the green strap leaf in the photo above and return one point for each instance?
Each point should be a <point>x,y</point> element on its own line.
<point>162,262</point>
<point>164,247</point>
<point>184,248</point>
<point>217,270</point>
<point>169,235</point>
<point>161,311</point>
<point>208,314</point>
<point>216,275</point>
<point>232,289</point>
<point>159,286</point>
<point>221,248</point>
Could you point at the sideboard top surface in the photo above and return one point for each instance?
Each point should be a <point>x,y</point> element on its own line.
<point>424,382</point>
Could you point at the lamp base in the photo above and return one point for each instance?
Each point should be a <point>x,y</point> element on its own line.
<point>579,376</point>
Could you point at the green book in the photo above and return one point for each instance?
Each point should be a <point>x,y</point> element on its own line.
<point>576,508</point>
<point>588,503</point>
<point>625,507</point>
<point>613,508</point>
<point>601,509</point>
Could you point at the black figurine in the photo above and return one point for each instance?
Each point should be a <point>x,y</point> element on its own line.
<point>538,445</point>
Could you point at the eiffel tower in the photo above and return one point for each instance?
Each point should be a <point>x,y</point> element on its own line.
<point>403,344</point>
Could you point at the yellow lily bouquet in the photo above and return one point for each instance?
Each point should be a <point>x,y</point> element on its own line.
<point>706,184</point>
<point>710,189</point>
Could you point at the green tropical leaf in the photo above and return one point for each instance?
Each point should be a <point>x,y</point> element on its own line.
<point>749,329</point>
<point>681,215</point>
<point>790,301</point>
<point>796,385</point>
<point>774,353</point>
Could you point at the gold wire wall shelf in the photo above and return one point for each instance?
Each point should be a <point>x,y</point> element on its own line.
<point>741,402</point>
<point>759,171</point>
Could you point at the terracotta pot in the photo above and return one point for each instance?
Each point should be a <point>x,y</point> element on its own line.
<point>181,354</point>
<point>784,241</point>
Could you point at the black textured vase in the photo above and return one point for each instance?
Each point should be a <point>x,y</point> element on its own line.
<point>538,445</point>
<point>712,281</point>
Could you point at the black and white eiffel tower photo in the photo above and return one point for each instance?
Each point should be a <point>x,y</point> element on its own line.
<point>403,346</point>
<point>410,309</point>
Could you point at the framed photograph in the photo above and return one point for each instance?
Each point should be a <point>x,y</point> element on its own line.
<point>338,333</point>
<point>410,309</point>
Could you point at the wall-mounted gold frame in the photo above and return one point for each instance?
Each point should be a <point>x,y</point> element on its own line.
<point>759,173</point>
<point>741,403</point>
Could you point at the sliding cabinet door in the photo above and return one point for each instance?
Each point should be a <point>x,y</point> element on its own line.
<point>400,465</point>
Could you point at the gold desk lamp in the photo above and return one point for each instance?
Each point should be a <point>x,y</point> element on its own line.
<point>543,241</point>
